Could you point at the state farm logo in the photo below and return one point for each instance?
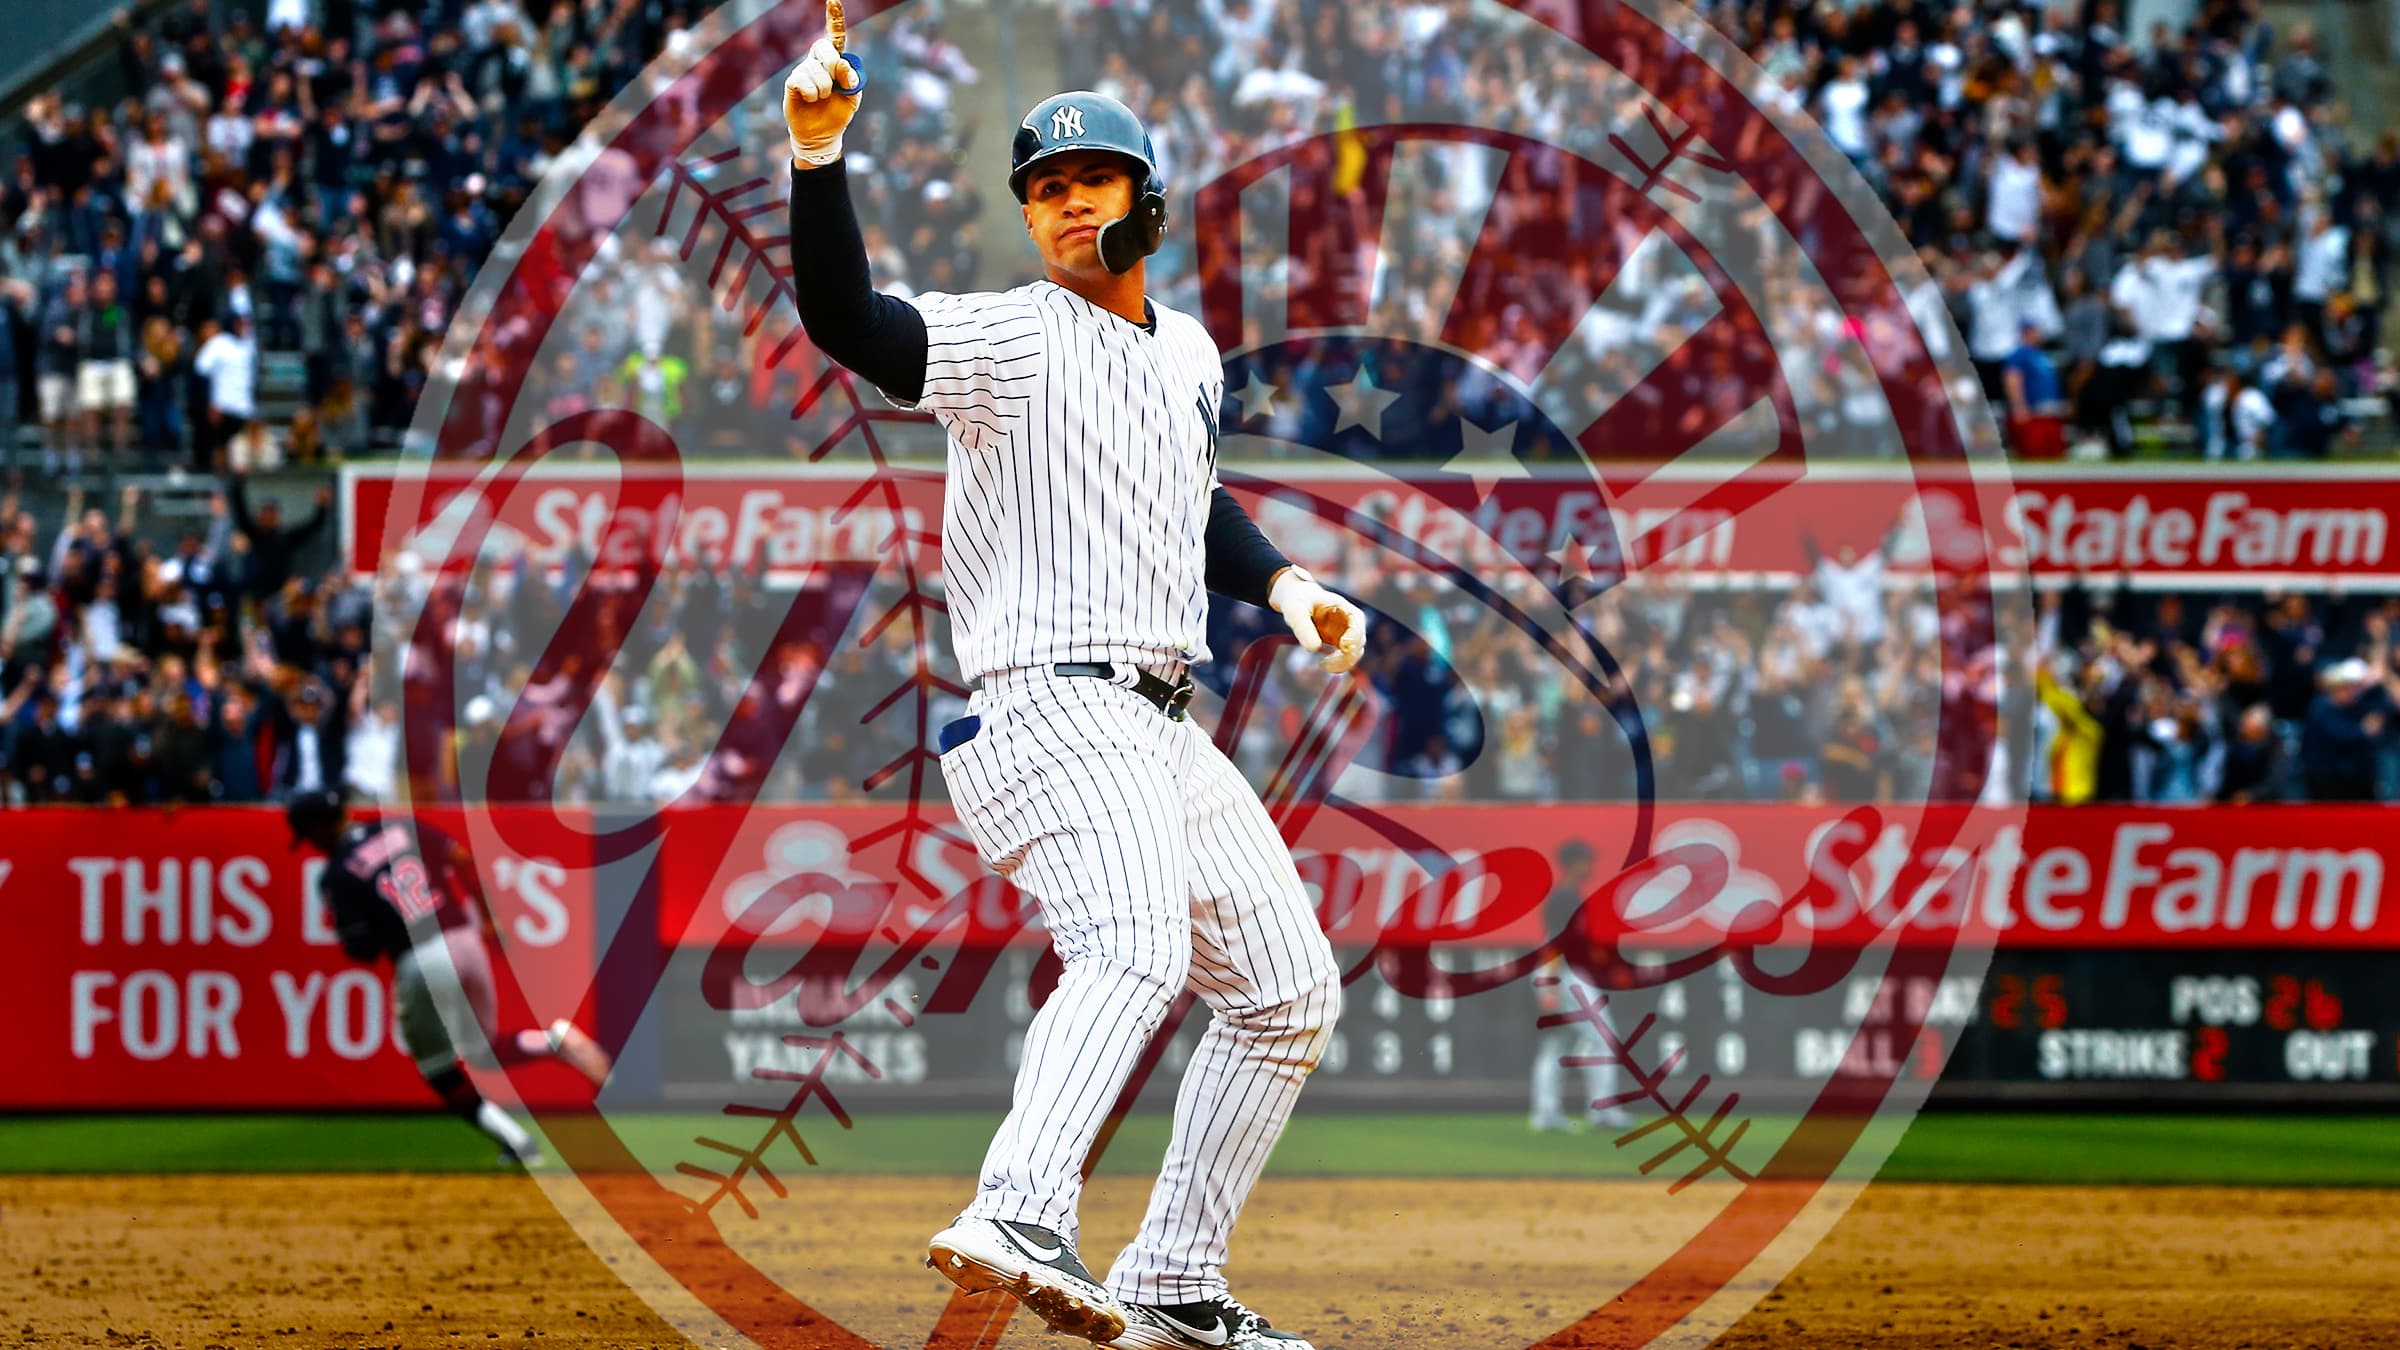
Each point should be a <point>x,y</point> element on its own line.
<point>2091,883</point>
<point>703,524</point>
<point>2150,878</point>
<point>2224,529</point>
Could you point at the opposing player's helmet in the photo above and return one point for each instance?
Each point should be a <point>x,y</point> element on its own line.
<point>310,813</point>
<point>1083,120</point>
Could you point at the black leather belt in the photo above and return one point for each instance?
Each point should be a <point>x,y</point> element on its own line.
<point>1171,697</point>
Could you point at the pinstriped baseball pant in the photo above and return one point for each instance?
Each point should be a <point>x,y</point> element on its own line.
<point>1156,868</point>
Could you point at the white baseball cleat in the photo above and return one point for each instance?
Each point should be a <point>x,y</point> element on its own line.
<point>1212,1324</point>
<point>1031,1264</point>
<point>581,1052</point>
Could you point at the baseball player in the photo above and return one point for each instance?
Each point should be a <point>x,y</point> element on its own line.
<point>1083,528</point>
<point>1562,988</point>
<point>405,891</point>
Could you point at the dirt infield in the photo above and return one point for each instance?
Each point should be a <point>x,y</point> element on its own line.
<point>420,1261</point>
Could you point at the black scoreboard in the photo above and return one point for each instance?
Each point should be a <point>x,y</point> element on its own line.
<point>2296,1023</point>
<point>2091,1026</point>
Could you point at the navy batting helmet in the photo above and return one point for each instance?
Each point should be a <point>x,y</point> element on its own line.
<point>1084,120</point>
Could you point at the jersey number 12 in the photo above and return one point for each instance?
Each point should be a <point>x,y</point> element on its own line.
<point>406,888</point>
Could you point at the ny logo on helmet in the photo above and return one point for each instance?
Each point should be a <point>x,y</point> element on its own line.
<point>1067,121</point>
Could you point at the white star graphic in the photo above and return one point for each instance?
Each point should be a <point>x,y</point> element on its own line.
<point>1362,404</point>
<point>1487,457</point>
<point>1573,559</point>
<point>1257,398</point>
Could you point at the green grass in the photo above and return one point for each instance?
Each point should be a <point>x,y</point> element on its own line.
<point>2111,1149</point>
<point>2199,1150</point>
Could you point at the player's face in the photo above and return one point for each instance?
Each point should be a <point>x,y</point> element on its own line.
<point>1068,199</point>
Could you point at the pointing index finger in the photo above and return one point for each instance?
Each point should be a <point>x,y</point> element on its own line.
<point>835,28</point>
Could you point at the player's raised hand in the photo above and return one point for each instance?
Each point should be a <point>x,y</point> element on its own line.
<point>1324,622</point>
<point>820,96</point>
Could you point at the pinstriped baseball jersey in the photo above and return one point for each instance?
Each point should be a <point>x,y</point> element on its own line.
<point>1082,451</point>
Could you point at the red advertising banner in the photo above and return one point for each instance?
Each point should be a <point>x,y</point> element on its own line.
<point>2194,525</point>
<point>2062,878</point>
<point>183,958</point>
<point>179,957</point>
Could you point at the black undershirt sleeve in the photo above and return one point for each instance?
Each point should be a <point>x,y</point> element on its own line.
<point>879,336</point>
<point>1241,563</point>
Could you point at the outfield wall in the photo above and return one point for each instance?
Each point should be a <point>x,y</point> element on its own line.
<point>171,959</point>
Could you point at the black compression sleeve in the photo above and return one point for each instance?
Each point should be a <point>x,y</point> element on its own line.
<point>876,335</point>
<point>1241,563</point>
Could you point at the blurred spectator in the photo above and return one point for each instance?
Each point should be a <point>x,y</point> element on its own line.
<point>2346,725</point>
<point>32,623</point>
<point>2074,744</point>
<point>1852,586</point>
<point>635,755</point>
<point>2311,416</point>
<point>40,749</point>
<point>653,383</point>
<point>60,360</point>
<point>311,735</point>
<point>272,543</point>
<point>2255,766</point>
<point>2006,297</point>
<point>2236,419</point>
<point>2108,392</point>
<point>2163,293</point>
<point>235,735</point>
<point>2036,398</point>
<point>104,343</point>
<point>228,361</point>
<point>183,754</point>
<point>157,374</point>
<point>1842,107</point>
<point>2322,269</point>
<point>14,297</point>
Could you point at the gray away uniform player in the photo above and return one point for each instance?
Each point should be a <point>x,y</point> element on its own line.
<point>1083,527</point>
<point>1566,912</point>
<point>404,891</point>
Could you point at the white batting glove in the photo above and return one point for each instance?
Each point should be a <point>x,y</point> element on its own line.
<point>1323,621</point>
<point>820,97</point>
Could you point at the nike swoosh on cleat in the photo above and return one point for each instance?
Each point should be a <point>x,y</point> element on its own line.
<point>1035,1249</point>
<point>1215,1335</point>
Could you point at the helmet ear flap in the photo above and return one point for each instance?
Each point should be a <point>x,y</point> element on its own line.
<point>1136,236</point>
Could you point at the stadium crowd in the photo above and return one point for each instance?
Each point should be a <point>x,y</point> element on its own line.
<point>218,669</point>
<point>289,188</point>
<point>225,669</point>
<point>2103,220</point>
<point>1856,685</point>
<point>2185,220</point>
